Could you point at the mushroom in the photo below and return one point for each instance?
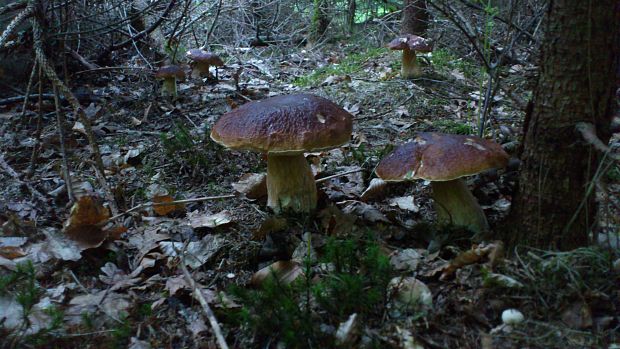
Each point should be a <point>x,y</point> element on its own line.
<point>170,74</point>
<point>443,159</point>
<point>410,44</point>
<point>202,61</point>
<point>284,127</point>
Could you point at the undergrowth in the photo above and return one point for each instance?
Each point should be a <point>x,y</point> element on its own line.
<point>352,63</point>
<point>353,278</point>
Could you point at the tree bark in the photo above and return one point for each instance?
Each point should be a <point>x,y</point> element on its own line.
<point>320,21</point>
<point>552,207</point>
<point>414,18</point>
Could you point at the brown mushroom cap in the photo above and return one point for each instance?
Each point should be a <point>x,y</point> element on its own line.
<point>202,56</point>
<point>441,157</point>
<point>411,42</point>
<point>170,71</point>
<point>285,125</point>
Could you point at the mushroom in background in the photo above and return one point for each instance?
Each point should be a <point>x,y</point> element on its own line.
<point>443,159</point>
<point>410,44</point>
<point>170,74</point>
<point>284,127</point>
<point>202,60</point>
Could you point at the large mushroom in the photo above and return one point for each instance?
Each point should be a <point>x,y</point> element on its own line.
<point>284,127</point>
<point>170,74</point>
<point>410,44</point>
<point>443,159</point>
<point>202,60</point>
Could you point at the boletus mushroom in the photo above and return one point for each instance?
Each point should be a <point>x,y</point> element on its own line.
<point>202,60</point>
<point>443,159</point>
<point>170,74</point>
<point>410,44</point>
<point>284,127</point>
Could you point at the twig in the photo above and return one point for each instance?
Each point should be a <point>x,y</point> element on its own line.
<point>155,204</point>
<point>588,132</point>
<point>132,39</point>
<point>51,75</point>
<point>29,87</point>
<point>61,133</point>
<point>339,175</point>
<point>212,27</point>
<point>8,169</point>
<point>205,305</point>
<point>15,23</point>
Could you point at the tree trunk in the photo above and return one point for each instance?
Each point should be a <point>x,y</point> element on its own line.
<point>320,21</point>
<point>415,17</point>
<point>351,9</point>
<point>552,207</point>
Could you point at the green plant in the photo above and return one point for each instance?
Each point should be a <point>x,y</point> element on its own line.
<point>121,332</point>
<point>450,126</point>
<point>22,284</point>
<point>355,282</point>
<point>185,149</point>
<point>349,65</point>
<point>557,278</point>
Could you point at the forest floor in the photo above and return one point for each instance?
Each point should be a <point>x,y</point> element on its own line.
<point>125,286</point>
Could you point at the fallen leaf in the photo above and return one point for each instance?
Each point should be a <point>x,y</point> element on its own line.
<point>165,210</point>
<point>492,251</point>
<point>196,253</point>
<point>270,225</point>
<point>364,210</point>
<point>285,271</point>
<point>11,252</point>
<point>83,225</point>
<point>197,220</point>
<point>252,185</point>
<point>405,203</point>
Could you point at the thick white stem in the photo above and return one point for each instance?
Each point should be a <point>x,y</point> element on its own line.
<point>290,184</point>
<point>456,205</point>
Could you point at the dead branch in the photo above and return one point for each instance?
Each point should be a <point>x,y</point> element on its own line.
<point>11,172</point>
<point>139,35</point>
<point>16,22</point>
<point>205,305</point>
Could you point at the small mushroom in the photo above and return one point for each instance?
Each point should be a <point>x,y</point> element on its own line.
<point>410,44</point>
<point>170,74</point>
<point>202,60</point>
<point>443,159</point>
<point>284,127</point>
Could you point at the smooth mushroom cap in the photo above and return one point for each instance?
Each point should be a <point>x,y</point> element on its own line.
<point>170,71</point>
<point>441,157</point>
<point>410,42</point>
<point>284,125</point>
<point>201,56</point>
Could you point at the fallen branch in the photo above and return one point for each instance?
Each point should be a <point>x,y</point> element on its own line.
<point>203,302</point>
<point>324,179</point>
<point>155,204</point>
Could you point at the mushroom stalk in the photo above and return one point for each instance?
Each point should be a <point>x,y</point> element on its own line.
<point>456,205</point>
<point>170,86</point>
<point>290,184</point>
<point>410,68</point>
<point>199,69</point>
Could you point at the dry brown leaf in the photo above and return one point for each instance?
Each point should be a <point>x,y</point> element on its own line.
<point>11,252</point>
<point>285,271</point>
<point>252,185</point>
<point>270,225</point>
<point>83,225</point>
<point>492,251</point>
<point>164,210</point>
